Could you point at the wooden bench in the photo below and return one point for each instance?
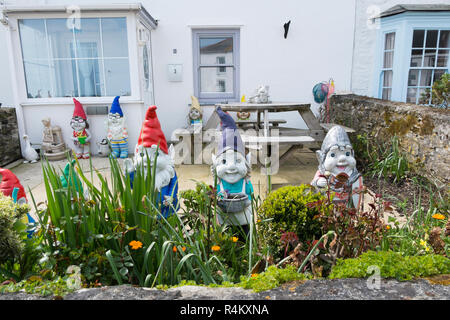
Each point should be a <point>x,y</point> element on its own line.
<point>253,123</point>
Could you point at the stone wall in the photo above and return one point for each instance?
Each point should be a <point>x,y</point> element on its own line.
<point>9,137</point>
<point>423,131</point>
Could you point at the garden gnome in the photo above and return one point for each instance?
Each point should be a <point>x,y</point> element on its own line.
<point>10,186</point>
<point>195,112</point>
<point>116,130</point>
<point>81,135</point>
<point>232,167</point>
<point>337,168</point>
<point>166,181</point>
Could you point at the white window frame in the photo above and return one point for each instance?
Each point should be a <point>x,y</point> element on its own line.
<point>20,71</point>
<point>216,97</point>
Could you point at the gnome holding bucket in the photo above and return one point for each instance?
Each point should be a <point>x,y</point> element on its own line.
<point>81,135</point>
<point>337,168</point>
<point>232,167</point>
<point>10,186</point>
<point>166,181</point>
<point>116,130</point>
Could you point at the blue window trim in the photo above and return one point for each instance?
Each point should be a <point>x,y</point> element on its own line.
<point>216,97</point>
<point>403,25</point>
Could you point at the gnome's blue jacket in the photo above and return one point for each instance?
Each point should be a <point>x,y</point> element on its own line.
<point>170,190</point>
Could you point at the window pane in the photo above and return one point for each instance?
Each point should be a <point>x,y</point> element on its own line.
<point>430,58</point>
<point>413,77</point>
<point>418,38</point>
<point>90,77</point>
<point>423,97</point>
<point>114,35</point>
<point>411,95</point>
<point>211,48</point>
<point>389,41</point>
<point>65,78</point>
<point>117,76</point>
<point>88,39</point>
<point>432,38</point>
<point>438,74</point>
<point>33,39</point>
<point>60,38</point>
<point>388,59</point>
<point>387,94</point>
<point>425,78</point>
<point>442,58</point>
<point>416,58</point>
<point>37,76</point>
<point>444,40</point>
<point>212,81</point>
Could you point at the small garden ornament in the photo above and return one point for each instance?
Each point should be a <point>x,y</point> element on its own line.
<point>30,155</point>
<point>195,112</point>
<point>116,130</point>
<point>81,135</point>
<point>10,186</point>
<point>166,181</point>
<point>234,189</point>
<point>261,95</point>
<point>337,168</point>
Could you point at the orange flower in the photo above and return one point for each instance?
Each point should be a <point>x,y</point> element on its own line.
<point>254,275</point>
<point>135,244</point>
<point>215,248</point>
<point>234,239</point>
<point>174,249</point>
<point>388,227</point>
<point>438,216</point>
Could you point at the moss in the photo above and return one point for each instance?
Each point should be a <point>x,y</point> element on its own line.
<point>427,126</point>
<point>402,126</point>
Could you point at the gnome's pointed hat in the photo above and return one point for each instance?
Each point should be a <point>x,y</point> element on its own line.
<point>335,137</point>
<point>115,107</point>
<point>78,111</point>
<point>9,182</point>
<point>151,133</point>
<point>231,139</point>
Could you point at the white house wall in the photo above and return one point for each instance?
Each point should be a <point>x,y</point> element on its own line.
<point>365,41</point>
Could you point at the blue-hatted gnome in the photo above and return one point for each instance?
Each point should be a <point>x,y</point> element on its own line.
<point>166,181</point>
<point>337,168</point>
<point>116,130</point>
<point>232,167</point>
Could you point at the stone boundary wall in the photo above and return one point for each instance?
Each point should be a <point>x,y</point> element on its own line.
<point>9,137</point>
<point>423,131</point>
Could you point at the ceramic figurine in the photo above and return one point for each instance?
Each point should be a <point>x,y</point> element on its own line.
<point>10,186</point>
<point>116,130</point>
<point>166,181</point>
<point>81,135</point>
<point>337,168</point>
<point>261,95</point>
<point>70,176</point>
<point>53,146</point>
<point>195,112</point>
<point>233,168</point>
<point>30,155</point>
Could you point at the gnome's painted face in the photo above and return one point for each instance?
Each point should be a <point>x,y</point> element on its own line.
<point>115,120</point>
<point>340,159</point>
<point>164,164</point>
<point>194,114</point>
<point>231,166</point>
<point>78,123</point>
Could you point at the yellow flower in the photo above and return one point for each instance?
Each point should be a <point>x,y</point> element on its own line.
<point>234,239</point>
<point>438,216</point>
<point>215,248</point>
<point>135,244</point>
<point>258,221</point>
<point>423,243</point>
<point>254,275</point>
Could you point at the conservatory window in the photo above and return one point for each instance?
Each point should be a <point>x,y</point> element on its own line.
<point>61,60</point>
<point>429,61</point>
<point>388,61</point>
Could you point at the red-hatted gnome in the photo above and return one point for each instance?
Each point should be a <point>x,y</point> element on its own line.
<point>81,135</point>
<point>166,181</point>
<point>337,168</point>
<point>10,186</point>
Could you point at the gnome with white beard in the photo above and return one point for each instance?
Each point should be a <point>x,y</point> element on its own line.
<point>232,167</point>
<point>337,168</point>
<point>166,181</point>
<point>80,136</point>
<point>116,130</point>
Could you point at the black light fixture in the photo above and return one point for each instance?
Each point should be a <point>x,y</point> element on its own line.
<point>286,28</point>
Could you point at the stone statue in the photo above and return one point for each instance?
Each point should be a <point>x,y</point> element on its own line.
<point>116,130</point>
<point>53,145</point>
<point>261,95</point>
<point>337,168</point>
<point>233,172</point>
<point>195,112</point>
<point>166,181</point>
<point>81,136</point>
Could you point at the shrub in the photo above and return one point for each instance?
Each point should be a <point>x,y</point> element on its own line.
<point>439,93</point>
<point>286,211</point>
<point>391,265</point>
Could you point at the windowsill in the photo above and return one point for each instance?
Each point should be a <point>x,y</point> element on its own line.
<point>83,100</point>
